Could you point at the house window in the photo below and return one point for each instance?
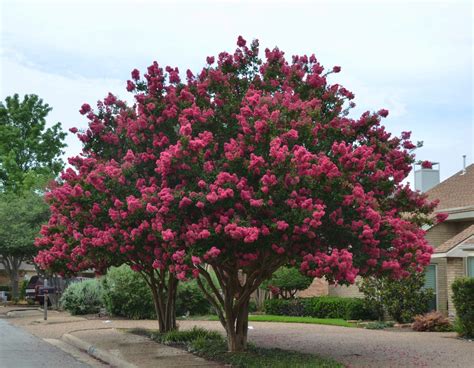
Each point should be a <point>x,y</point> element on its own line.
<point>430,283</point>
<point>470,266</point>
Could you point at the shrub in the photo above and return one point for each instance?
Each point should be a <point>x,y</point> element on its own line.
<point>282,307</point>
<point>401,299</point>
<point>433,321</point>
<point>320,307</point>
<point>378,325</point>
<point>286,282</point>
<point>191,299</point>
<point>83,297</point>
<point>463,298</point>
<point>126,294</point>
<point>186,336</point>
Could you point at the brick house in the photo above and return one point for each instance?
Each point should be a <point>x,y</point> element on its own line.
<point>453,239</point>
<point>26,271</point>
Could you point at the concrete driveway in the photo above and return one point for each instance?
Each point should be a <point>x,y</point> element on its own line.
<point>357,347</point>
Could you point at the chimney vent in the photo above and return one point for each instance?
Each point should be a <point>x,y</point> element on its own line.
<point>463,164</point>
<point>425,179</point>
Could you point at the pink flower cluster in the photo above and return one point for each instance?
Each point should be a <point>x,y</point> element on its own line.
<point>248,163</point>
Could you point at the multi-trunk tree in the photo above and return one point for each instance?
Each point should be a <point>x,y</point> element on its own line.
<point>246,166</point>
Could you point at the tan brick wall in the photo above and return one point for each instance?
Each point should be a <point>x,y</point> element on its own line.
<point>351,291</point>
<point>438,234</point>
<point>441,283</point>
<point>455,269</point>
<point>319,287</point>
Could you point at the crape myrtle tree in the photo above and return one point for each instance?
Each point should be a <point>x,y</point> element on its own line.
<point>251,164</point>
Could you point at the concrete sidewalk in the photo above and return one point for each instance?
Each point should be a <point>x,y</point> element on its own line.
<point>104,340</point>
<point>136,351</point>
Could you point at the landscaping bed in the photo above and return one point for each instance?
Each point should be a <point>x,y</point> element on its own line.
<point>212,346</point>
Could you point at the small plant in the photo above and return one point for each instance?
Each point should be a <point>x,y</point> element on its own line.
<point>463,298</point>
<point>433,321</point>
<point>286,282</point>
<point>378,325</point>
<point>187,336</point>
<point>83,297</point>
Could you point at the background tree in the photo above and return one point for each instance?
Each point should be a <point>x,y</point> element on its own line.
<point>29,152</point>
<point>21,216</point>
<point>287,281</point>
<point>246,166</point>
<point>29,157</point>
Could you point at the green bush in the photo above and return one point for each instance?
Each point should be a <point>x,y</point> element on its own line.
<point>191,299</point>
<point>126,294</point>
<point>463,298</point>
<point>83,297</point>
<point>402,299</point>
<point>5,288</point>
<point>286,282</point>
<point>320,307</point>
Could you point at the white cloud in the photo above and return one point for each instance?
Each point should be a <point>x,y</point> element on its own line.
<point>65,95</point>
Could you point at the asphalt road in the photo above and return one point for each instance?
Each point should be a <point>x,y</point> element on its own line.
<point>19,349</point>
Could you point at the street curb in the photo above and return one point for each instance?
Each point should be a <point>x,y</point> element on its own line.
<point>93,351</point>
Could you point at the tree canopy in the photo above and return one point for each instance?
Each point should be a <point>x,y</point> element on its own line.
<point>248,165</point>
<point>21,217</point>
<point>29,151</point>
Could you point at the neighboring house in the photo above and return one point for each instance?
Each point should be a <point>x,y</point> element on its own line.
<point>453,239</point>
<point>26,271</point>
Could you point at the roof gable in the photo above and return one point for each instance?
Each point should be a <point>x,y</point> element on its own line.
<point>455,192</point>
<point>455,240</point>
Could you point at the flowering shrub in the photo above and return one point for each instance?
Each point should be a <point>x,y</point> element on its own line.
<point>241,168</point>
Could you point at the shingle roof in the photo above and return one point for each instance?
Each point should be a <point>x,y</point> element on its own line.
<point>456,191</point>
<point>455,240</point>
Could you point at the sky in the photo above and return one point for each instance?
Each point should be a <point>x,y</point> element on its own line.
<point>412,58</point>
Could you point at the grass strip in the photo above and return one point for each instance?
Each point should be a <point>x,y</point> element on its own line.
<point>282,319</point>
<point>211,345</point>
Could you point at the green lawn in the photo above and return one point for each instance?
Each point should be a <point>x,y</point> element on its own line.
<point>285,319</point>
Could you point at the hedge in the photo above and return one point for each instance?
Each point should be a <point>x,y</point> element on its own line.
<point>321,307</point>
<point>463,298</point>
